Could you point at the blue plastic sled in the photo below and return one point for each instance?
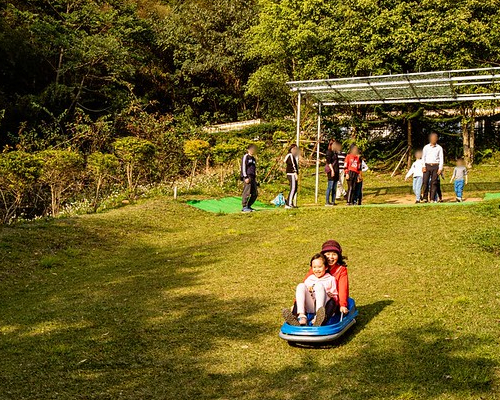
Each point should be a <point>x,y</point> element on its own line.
<point>335,327</point>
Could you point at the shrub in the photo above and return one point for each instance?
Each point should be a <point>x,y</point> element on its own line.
<point>61,171</point>
<point>170,160</point>
<point>224,153</point>
<point>195,150</point>
<point>19,173</point>
<point>135,155</point>
<point>102,168</point>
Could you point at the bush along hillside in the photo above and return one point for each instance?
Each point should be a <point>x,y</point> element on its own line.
<point>105,172</point>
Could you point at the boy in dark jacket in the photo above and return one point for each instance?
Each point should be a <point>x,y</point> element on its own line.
<point>248,176</point>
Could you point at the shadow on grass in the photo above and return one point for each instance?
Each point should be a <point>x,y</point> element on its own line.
<point>423,362</point>
<point>114,313</point>
<point>366,313</point>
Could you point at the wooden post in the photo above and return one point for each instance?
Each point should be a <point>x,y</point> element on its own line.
<point>400,161</point>
<point>409,139</point>
<point>299,107</point>
<point>316,189</point>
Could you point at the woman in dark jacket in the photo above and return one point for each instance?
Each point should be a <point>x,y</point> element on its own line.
<point>332,172</point>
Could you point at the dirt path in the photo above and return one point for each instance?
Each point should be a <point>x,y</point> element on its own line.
<point>410,199</point>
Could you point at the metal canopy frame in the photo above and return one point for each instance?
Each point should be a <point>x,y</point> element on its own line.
<point>478,84</point>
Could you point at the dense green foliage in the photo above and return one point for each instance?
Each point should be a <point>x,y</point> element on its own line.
<point>82,75</point>
<point>208,61</point>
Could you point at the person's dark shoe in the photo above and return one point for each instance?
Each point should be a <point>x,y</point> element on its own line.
<point>289,317</point>
<point>417,202</point>
<point>320,317</point>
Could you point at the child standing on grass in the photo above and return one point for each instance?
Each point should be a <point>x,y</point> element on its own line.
<point>292,174</point>
<point>461,178</point>
<point>358,197</point>
<point>332,170</point>
<point>248,176</point>
<point>353,173</point>
<point>313,294</point>
<point>416,171</point>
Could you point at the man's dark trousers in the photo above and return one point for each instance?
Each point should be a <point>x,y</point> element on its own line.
<point>249,193</point>
<point>431,173</point>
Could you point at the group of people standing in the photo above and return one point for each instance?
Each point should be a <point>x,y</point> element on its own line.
<point>249,177</point>
<point>341,168</point>
<point>428,170</point>
<point>347,169</point>
<point>344,167</point>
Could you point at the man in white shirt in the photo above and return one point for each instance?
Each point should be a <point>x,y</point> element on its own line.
<point>433,161</point>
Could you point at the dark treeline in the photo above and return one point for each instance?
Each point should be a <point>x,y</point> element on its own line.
<point>215,61</point>
<point>88,75</point>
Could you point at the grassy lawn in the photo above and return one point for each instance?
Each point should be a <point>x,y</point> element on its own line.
<point>161,301</point>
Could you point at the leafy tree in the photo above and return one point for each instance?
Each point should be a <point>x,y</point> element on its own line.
<point>19,174</point>
<point>75,54</point>
<point>195,150</point>
<point>61,171</point>
<point>203,45</point>
<point>102,168</point>
<point>135,154</point>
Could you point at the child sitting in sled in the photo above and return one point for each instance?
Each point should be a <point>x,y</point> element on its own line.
<point>313,294</point>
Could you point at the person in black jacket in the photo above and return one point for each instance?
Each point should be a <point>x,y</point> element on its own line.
<point>292,173</point>
<point>332,171</point>
<point>248,176</point>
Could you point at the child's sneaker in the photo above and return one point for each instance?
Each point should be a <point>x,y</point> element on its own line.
<point>320,317</point>
<point>290,319</point>
<point>302,320</point>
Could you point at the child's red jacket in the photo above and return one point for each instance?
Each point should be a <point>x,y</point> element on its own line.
<point>353,163</point>
<point>340,274</point>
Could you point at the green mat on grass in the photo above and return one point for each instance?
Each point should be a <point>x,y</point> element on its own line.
<point>227,205</point>
<point>492,196</point>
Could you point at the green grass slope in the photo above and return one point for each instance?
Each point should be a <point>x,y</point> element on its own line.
<point>163,301</point>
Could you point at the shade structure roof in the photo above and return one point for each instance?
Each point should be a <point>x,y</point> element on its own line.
<point>421,87</point>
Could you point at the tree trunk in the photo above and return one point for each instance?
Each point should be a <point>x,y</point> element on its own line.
<point>207,164</point>
<point>472,140</point>
<point>59,66</point>
<point>130,179</point>
<point>192,174</point>
<point>97,192</point>
<point>55,195</point>
<point>468,135</point>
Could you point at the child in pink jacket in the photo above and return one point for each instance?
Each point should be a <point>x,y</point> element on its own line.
<point>313,294</point>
